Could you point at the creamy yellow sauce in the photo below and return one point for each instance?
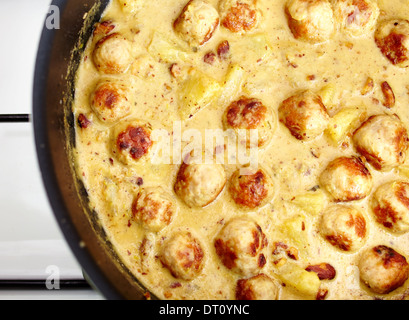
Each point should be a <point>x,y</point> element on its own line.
<point>271,75</point>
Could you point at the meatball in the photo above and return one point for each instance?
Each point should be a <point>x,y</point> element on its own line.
<point>112,54</point>
<point>391,206</point>
<point>240,246</point>
<point>347,179</point>
<point>251,188</point>
<point>250,114</point>
<point>383,141</point>
<point>260,287</point>
<point>197,23</point>
<point>111,101</point>
<point>239,15</point>
<point>198,185</point>
<point>392,38</point>
<point>304,115</point>
<point>344,227</point>
<point>153,209</point>
<point>356,17</point>
<point>310,20</point>
<point>132,141</point>
<point>383,269</point>
<point>183,256</point>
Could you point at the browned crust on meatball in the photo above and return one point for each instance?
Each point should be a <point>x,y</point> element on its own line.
<point>182,17</point>
<point>385,213</point>
<point>135,139</point>
<point>392,259</point>
<point>393,47</point>
<point>293,115</point>
<point>107,96</point>
<point>250,190</point>
<point>362,10</point>
<point>149,213</point>
<point>240,17</point>
<point>110,67</point>
<point>246,113</point>
<point>342,241</point>
<point>244,288</point>
<point>229,257</point>
<point>325,271</point>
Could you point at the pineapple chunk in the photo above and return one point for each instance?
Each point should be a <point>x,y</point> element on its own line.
<point>343,123</point>
<point>196,93</point>
<point>160,47</point>
<point>311,202</point>
<point>306,283</point>
<point>130,6</point>
<point>327,95</point>
<point>258,45</point>
<point>233,84</point>
<point>294,229</point>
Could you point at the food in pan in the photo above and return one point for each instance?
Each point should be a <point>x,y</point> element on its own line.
<point>250,149</point>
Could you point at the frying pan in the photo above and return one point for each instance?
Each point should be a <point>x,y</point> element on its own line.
<point>58,58</point>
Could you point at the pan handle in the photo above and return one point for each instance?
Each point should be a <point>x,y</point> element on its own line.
<point>15,118</point>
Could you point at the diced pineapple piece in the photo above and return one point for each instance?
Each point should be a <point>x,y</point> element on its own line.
<point>295,229</point>
<point>312,202</point>
<point>130,6</point>
<point>343,123</point>
<point>327,94</point>
<point>307,283</point>
<point>161,48</point>
<point>196,93</point>
<point>258,45</point>
<point>232,85</point>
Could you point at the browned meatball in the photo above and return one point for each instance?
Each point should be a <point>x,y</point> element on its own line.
<point>239,15</point>
<point>260,287</point>
<point>383,141</point>
<point>383,269</point>
<point>356,17</point>
<point>304,115</point>
<point>183,255</point>
<point>391,206</point>
<point>392,38</point>
<point>347,179</point>
<point>198,185</point>
<point>112,54</point>
<point>111,101</point>
<point>310,20</point>
<point>132,141</point>
<point>153,209</point>
<point>251,188</point>
<point>344,227</point>
<point>250,114</point>
<point>240,246</point>
<point>197,22</point>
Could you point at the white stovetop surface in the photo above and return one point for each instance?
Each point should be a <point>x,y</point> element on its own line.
<point>30,240</point>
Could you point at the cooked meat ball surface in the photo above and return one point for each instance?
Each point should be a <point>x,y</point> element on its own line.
<point>153,209</point>
<point>383,141</point>
<point>183,256</point>
<point>347,179</point>
<point>198,185</point>
<point>356,17</point>
<point>113,54</point>
<point>250,114</point>
<point>239,15</point>
<point>197,23</point>
<point>131,141</point>
<point>392,38</point>
<point>111,101</point>
<point>344,227</point>
<point>260,287</point>
<point>310,20</point>
<point>240,246</point>
<point>251,188</point>
<point>304,115</point>
<point>391,206</point>
<point>383,269</point>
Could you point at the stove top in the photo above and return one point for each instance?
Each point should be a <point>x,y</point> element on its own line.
<point>35,261</point>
